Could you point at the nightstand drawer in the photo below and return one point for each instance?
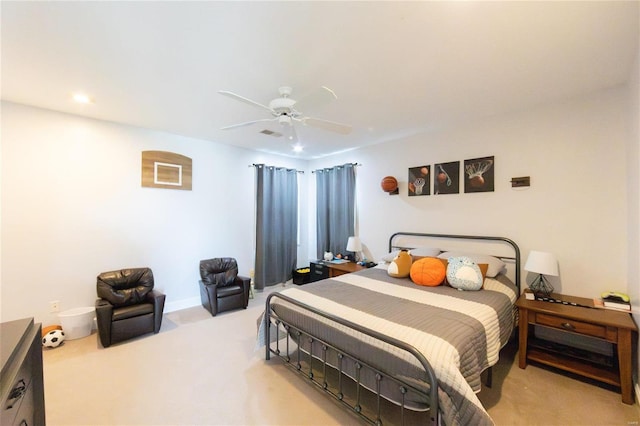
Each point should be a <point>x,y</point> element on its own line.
<point>575,326</point>
<point>318,272</point>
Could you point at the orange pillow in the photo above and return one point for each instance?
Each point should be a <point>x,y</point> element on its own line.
<point>428,271</point>
<point>484,267</point>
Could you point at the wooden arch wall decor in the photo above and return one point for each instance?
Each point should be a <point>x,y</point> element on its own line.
<point>162,169</point>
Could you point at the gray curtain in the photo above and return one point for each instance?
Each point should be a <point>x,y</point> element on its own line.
<point>276,225</point>
<point>335,204</point>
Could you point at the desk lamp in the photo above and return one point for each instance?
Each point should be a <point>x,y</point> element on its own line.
<point>542,263</point>
<point>354,245</point>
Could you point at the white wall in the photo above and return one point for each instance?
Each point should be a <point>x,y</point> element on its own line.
<point>633,165</point>
<point>633,157</point>
<point>73,206</point>
<point>576,206</point>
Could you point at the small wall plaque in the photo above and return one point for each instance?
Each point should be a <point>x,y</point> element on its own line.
<point>517,182</point>
<point>162,169</point>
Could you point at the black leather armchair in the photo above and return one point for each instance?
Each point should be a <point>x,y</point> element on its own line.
<point>128,306</point>
<point>221,288</point>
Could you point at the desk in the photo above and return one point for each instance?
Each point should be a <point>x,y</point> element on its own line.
<point>321,269</point>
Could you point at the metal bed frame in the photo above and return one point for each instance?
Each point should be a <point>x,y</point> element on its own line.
<point>303,360</point>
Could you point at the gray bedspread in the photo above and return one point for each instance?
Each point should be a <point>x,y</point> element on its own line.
<point>459,332</point>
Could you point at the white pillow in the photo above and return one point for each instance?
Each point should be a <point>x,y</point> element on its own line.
<point>425,252</point>
<point>416,252</point>
<point>390,256</point>
<point>495,265</point>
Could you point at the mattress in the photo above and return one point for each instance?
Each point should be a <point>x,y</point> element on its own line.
<point>460,333</point>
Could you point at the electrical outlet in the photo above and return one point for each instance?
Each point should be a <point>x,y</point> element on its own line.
<point>54,306</point>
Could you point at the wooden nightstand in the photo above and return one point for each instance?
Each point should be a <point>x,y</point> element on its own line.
<point>321,269</point>
<point>617,328</point>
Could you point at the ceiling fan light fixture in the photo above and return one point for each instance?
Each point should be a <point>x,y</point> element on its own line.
<point>82,98</point>
<point>284,120</point>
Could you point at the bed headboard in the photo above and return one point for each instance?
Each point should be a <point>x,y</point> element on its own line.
<point>502,248</point>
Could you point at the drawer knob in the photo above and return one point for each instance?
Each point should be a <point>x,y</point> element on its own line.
<point>568,326</point>
<point>16,393</point>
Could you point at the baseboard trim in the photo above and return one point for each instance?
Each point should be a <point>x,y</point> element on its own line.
<point>181,304</point>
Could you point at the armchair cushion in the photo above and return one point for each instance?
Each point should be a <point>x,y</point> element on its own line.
<point>126,286</point>
<point>132,311</point>
<point>219,271</point>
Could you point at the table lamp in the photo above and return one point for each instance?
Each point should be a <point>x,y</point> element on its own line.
<point>354,245</point>
<point>542,263</point>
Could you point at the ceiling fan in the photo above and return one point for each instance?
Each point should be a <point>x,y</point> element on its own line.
<point>283,109</point>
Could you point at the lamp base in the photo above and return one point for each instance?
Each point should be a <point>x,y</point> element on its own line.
<point>541,287</point>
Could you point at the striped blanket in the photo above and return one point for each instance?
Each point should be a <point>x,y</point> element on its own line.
<point>460,333</point>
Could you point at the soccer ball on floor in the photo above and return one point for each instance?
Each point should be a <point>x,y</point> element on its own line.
<point>53,339</point>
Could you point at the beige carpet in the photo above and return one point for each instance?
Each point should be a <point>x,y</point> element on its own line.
<point>201,370</point>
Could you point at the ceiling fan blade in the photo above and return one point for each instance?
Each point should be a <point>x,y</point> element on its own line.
<point>243,99</point>
<point>247,123</point>
<point>317,97</point>
<point>328,125</point>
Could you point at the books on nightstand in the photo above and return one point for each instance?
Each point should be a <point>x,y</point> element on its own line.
<point>608,304</point>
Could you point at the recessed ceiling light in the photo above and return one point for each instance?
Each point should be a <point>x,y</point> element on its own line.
<point>297,148</point>
<point>81,98</point>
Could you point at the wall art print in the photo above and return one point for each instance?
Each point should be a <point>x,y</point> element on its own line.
<point>478,175</point>
<point>446,178</point>
<point>162,169</point>
<point>419,180</point>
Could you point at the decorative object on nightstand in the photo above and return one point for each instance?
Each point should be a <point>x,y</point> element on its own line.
<point>541,263</point>
<point>355,246</point>
<point>616,300</point>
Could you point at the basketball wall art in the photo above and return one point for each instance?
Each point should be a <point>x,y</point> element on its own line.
<point>446,178</point>
<point>419,180</point>
<point>478,175</point>
<point>162,169</point>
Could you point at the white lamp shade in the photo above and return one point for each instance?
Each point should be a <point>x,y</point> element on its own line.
<point>542,262</point>
<point>354,244</point>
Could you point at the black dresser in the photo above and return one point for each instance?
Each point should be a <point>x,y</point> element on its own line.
<point>21,379</point>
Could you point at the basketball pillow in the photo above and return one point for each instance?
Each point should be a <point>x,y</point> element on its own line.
<point>401,265</point>
<point>428,271</point>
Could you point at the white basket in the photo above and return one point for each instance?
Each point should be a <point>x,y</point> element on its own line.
<point>76,323</point>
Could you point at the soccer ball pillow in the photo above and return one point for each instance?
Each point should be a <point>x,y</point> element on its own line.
<point>53,339</point>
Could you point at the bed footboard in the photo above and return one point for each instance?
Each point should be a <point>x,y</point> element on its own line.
<point>326,366</point>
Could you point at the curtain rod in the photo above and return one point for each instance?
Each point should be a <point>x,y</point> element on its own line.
<point>264,165</point>
<point>329,168</point>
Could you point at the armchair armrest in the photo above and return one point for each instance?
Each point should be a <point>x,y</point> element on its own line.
<point>104,312</point>
<point>246,281</point>
<point>246,287</point>
<point>157,298</point>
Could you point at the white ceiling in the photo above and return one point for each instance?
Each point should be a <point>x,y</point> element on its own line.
<point>398,68</point>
